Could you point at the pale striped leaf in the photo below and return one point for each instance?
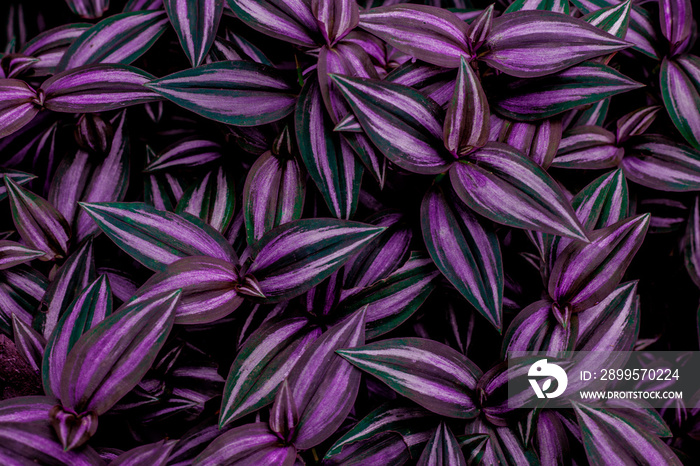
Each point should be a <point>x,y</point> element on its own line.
<point>293,258</point>
<point>557,6</point>
<point>636,122</point>
<point>442,449</point>
<point>273,194</point>
<point>533,99</point>
<point>89,308</point>
<point>195,23</point>
<point>400,121</point>
<point>335,17</point>
<point>49,46</point>
<point>247,445</point>
<point>20,178</point>
<point>432,374</point>
<point>19,104</point>
<point>480,27</point>
<point>13,253</point>
<point>663,164</point>
<point>112,357</point>
<point>97,88</point>
<point>613,19</point>
<point>262,364</point>
<point>21,289</point>
<point>29,343</point>
<point>692,243</point>
<point>89,9</point>
<point>157,238</point>
<point>237,92</point>
<point>680,89</point>
<point>538,140</point>
<point>120,38</point>
<point>503,185</point>
<point>288,20</point>
<point>143,5</point>
<point>212,199</point>
<point>185,154</point>
<point>536,43</point>
<point>536,328</point>
<point>27,444</point>
<point>588,147</point>
<point>431,34</point>
<point>153,454</point>
<point>676,18</point>
<point>328,158</point>
<point>39,224</point>
<point>466,124</point>
<point>466,253</point>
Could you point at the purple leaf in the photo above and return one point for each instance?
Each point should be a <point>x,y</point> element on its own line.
<point>273,194</point>
<point>536,328</point>
<point>284,416</point>
<point>262,364</point>
<point>293,258</point>
<point>13,253</point>
<point>384,448</point>
<point>467,120</point>
<point>288,20</point>
<point>676,18</point>
<point>680,85</point>
<point>528,44</point>
<point>97,88</point>
<point>692,243</point>
<point>328,158</point>
<point>88,9</point>
<point>503,185</point>
<point>247,445</point>
<point>40,225</point>
<point>400,121</point>
<point>73,430</point>
<point>21,289</point>
<point>49,46</point>
<point>533,99</point>
<point>557,6</point>
<point>186,153</point>
<point>26,444</point>
<point>538,140</point>
<point>432,374</point>
<point>442,449</point>
<point>584,273</point>
<point>111,358</point>
<point>551,440</point>
<point>588,147</point>
<point>432,81</point>
<point>26,409</point>
<point>235,92</point>
<point>636,122</point>
<point>611,439</point>
<point>19,104</point>
<point>323,385</point>
<point>613,19</point>
<point>153,454</point>
<point>156,238</point>
<point>335,17</point>
<point>121,38</point>
<point>212,199</point>
<point>431,34</point>
<point>662,164</point>
<point>466,253</point>
<point>208,289</point>
<point>20,178</point>
<point>89,308</point>
<point>30,343</point>
<point>141,5</point>
<point>480,28</point>
<point>196,23</point>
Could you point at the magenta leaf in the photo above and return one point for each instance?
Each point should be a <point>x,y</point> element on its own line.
<point>212,199</point>
<point>335,17</point>
<point>50,46</point>
<point>588,147</point>
<point>29,343</point>
<point>676,20</point>
<point>247,445</point>
<point>660,163</point>
<point>89,9</point>
<point>19,104</point>
<point>196,23</point>
<point>680,89</point>
<point>288,20</point>
<point>467,120</point>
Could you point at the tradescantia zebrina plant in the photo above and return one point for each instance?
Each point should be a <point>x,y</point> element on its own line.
<point>310,231</point>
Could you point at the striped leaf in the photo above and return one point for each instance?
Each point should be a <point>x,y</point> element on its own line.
<point>121,38</point>
<point>400,121</point>
<point>185,154</point>
<point>392,300</point>
<point>533,99</point>
<point>528,44</point>
<point>613,19</point>
<point>536,328</point>
<point>212,199</point>
<point>503,185</point>
<point>39,224</point>
<point>611,439</point>
<point>676,18</point>
<point>467,120</point>
<point>433,81</point>
<point>112,357</point>
<point>636,122</point>
<point>466,253</point>
<point>208,289</point>
<point>324,385</point>
<point>538,140</point>
<point>273,194</point>
<point>262,364</point>
<point>26,444</point>
<point>26,409</point>
<point>21,289</point>
<point>680,89</point>
<point>589,115</point>
<point>143,5</point>
<point>89,308</point>
<point>161,191</point>
<point>30,344</point>
<point>588,147</point>
<point>50,46</point>
<point>432,374</point>
<point>88,9</point>
<point>154,454</point>
<point>288,20</point>
<point>557,6</point>
<point>195,23</point>
<point>19,104</point>
<point>293,258</point>
<point>691,245</point>
<point>584,273</point>
<point>328,158</point>
<point>97,88</point>
<point>20,178</point>
<point>76,273</point>
<point>442,449</point>
<point>248,444</point>
<point>335,17</point>
<point>660,163</point>
<point>156,238</point>
<point>13,253</point>
<point>236,93</point>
